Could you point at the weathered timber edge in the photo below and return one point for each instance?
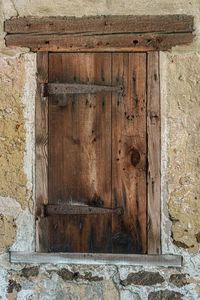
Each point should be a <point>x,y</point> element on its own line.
<point>101,24</point>
<point>96,259</point>
<point>100,33</point>
<point>98,43</point>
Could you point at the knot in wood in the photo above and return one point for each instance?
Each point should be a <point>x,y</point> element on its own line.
<point>135,157</point>
<point>153,115</point>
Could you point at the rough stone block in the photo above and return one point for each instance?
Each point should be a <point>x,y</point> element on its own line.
<point>178,280</point>
<point>143,278</point>
<point>165,295</point>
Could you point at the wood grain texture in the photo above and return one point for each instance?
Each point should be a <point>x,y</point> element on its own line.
<point>80,153</point>
<point>100,24</point>
<point>154,155</point>
<point>97,153</point>
<point>41,152</point>
<point>129,42</point>
<point>97,259</point>
<point>129,153</point>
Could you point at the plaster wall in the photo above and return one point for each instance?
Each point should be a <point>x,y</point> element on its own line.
<point>180,110</point>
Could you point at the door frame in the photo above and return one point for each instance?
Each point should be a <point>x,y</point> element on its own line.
<point>112,34</point>
<point>153,153</point>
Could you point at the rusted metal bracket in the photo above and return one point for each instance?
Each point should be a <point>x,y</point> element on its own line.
<point>78,88</point>
<point>66,209</point>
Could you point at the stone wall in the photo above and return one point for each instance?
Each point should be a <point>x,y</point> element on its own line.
<point>180,99</point>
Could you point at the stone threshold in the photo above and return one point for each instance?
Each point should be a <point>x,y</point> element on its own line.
<point>96,259</point>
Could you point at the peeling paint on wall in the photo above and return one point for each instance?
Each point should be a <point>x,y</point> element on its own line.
<point>12,131</point>
<point>183,174</point>
<point>7,232</point>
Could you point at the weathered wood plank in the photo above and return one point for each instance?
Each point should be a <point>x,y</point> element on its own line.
<point>100,24</point>
<point>96,259</point>
<point>80,163</point>
<point>154,159</point>
<point>99,43</point>
<point>129,153</point>
<point>41,152</point>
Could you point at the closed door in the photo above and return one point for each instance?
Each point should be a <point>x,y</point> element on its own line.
<point>97,153</point>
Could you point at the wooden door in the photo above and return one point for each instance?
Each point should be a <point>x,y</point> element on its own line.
<point>97,154</point>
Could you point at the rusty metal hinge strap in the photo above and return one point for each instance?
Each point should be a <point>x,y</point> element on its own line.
<point>66,209</point>
<point>77,88</point>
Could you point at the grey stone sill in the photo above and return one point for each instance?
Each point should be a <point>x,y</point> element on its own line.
<point>96,259</point>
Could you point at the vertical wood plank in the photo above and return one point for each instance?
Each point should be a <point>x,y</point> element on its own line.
<point>41,150</point>
<point>128,141</point>
<point>154,145</point>
<point>129,153</point>
<point>80,153</point>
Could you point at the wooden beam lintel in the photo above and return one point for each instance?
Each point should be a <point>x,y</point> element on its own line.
<point>109,42</point>
<point>101,24</point>
<point>100,33</point>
